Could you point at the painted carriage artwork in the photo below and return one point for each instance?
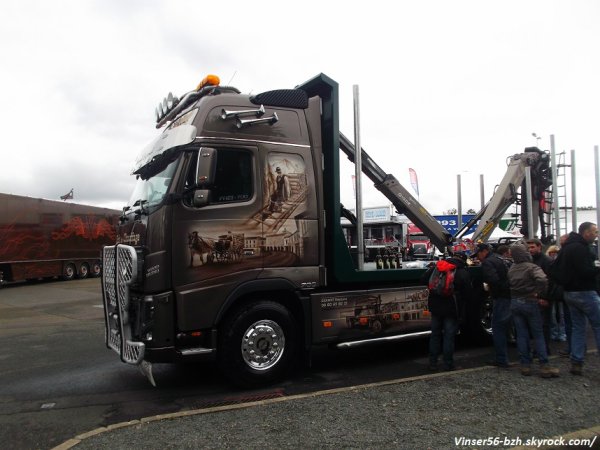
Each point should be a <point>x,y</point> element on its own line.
<point>226,248</point>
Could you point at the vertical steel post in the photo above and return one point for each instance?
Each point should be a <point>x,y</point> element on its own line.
<point>529,203</point>
<point>597,172</point>
<point>459,200</point>
<point>360,244</point>
<point>573,193</point>
<point>481,191</point>
<point>555,193</point>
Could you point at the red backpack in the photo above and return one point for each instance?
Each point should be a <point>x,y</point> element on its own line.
<point>441,280</point>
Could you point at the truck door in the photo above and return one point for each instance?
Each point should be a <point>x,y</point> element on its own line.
<point>216,246</point>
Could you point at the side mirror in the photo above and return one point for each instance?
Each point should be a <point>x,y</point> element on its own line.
<point>206,166</point>
<point>201,198</point>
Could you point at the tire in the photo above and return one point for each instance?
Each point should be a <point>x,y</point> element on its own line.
<point>69,272</point>
<point>485,316</point>
<point>478,320</point>
<point>258,344</point>
<point>480,329</point>
<point>84,270</point>
<point>96,269</point>
<point>377,327</point>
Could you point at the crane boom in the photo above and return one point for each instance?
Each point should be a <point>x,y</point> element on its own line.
<point>400,197</point>
<point>506,192</point>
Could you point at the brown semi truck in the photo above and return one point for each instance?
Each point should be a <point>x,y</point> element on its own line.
<point>231,247</point>
<point>43,238</point>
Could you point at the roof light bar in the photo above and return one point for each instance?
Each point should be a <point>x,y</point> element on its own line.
<point>167,109</point>
<point>166,106</point>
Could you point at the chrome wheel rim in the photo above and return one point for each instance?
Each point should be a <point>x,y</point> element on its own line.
<point>263,345</point>
<point>486,316</point>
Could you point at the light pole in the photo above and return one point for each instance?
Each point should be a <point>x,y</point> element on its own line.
<point>537,139</point>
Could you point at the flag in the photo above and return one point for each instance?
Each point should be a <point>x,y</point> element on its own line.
<point>413,180</point>
<point>67,196</point>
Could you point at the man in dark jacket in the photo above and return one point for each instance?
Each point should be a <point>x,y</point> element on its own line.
<point>495,275</point>
<point>447,312</point>
<point>577,264</point>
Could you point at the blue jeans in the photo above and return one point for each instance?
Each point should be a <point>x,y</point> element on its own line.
<point>568,325</point>
<point>500,322</point>
<point>528,319</point>
<point>443,331</point>
<point>582,305</point>
<point>558,332</point>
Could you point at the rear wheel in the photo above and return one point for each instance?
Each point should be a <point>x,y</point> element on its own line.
<point>69,272</point>
<point>485,316</point>
<point>84,270</point>
<point>96,269</point>
<point>377,327</point>
<point>258,344</point>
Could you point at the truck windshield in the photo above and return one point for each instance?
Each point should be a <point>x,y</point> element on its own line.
<point>150,191</point>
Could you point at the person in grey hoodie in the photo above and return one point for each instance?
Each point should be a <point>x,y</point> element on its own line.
<point>527,284</point>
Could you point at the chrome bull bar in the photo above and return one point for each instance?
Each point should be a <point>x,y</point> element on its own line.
<point>119,272</point>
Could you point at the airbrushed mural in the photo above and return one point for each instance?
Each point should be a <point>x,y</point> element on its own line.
<point>53,237</point>
<point>370,313</point>
<point>279,232</point>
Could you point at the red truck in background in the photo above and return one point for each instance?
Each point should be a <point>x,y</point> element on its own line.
<point>418,243</point>
<point>43,238</point>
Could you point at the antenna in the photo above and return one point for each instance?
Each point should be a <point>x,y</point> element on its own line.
<point>232,77</point>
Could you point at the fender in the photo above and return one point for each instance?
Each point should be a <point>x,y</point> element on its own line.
<point>269,285</point>
<point>262,285</point>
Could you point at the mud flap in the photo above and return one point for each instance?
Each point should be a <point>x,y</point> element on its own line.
<point>146,368</point>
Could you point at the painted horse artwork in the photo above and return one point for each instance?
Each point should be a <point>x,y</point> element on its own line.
<point>200,247</point>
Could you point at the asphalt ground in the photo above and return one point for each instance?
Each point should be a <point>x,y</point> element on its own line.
<point>482,407</point>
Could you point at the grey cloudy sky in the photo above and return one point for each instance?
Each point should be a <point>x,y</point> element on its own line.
<point>445,87</point>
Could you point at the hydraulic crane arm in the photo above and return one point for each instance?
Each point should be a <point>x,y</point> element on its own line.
<point>400,197</point>
<point>506,192</point>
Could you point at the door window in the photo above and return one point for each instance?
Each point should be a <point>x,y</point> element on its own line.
<point>233,181</point>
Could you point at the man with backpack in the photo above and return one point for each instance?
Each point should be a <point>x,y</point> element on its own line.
<point>576,270</point>
<point>450,290</point>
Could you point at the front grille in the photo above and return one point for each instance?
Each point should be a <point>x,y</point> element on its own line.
<point>119,272</point>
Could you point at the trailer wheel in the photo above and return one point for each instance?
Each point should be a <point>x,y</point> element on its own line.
<point>84,270</point>
<point>69,272</point>
<point>258,344</point>
<point>96,269</point>
<point>377,326</point>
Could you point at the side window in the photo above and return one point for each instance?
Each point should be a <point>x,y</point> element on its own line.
<point>233,178</point>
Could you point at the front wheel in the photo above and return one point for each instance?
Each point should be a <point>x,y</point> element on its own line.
<point>258,344</point>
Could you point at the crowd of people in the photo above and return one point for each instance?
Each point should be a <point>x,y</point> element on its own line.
<point>547,295</point>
